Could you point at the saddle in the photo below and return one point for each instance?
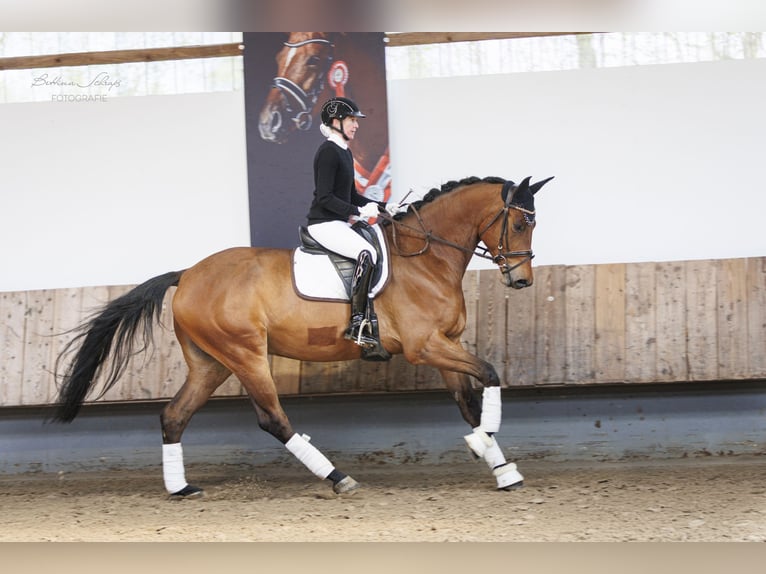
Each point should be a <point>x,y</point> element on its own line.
<point>315,279</point>
<point>344,266</point>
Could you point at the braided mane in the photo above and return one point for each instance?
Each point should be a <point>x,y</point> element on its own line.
<point>433,193</point>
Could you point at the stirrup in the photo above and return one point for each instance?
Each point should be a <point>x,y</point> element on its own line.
<point>356,333</point>
<point>361,338</point>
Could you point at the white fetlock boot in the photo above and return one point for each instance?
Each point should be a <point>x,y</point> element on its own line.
<point>506,473</point>
<point>508,478</point>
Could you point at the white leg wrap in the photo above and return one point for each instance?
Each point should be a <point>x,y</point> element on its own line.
<point>484,446</point>
<point>493,455</point>
<point>309,455</point>
<point>491,413</point>
<point>491,409</point>
<point>173,467</point>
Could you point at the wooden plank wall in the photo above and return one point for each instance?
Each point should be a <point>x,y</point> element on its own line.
<point>578,325</point>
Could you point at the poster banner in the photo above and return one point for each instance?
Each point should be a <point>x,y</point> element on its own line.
<point>288,76</point>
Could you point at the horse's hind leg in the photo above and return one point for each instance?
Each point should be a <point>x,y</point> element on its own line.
<point>485,421</point>
<point>257,380</point>
<point>205,375</point>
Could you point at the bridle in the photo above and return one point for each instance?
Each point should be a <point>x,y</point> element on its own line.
<point>501,259</point>
<point>297,101</point>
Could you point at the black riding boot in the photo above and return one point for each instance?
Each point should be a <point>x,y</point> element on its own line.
<point>360,328</point>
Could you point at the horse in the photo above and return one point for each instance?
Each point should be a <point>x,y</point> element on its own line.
<point>234,308</point>
<point>315,66</point>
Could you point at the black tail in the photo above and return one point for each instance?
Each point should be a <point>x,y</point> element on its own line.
<point>111,332</point>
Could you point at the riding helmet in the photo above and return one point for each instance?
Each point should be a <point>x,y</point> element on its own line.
<point>339,107</point>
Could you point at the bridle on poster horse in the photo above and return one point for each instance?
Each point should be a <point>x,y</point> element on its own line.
<point>300,103</point>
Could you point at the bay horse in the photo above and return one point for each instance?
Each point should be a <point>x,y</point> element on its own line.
<point>315,66</point>
<point>234,308</point>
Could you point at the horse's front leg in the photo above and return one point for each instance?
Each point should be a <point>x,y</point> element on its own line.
<point>456,366</point>
<point>485,419</point>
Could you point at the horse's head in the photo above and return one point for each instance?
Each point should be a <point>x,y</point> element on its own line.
<point>508,232</point>
<point>302,65</point>
<point>503,221</point>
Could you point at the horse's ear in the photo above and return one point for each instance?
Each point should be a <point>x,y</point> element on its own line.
<point>535,187</point>
<point>523,186</point>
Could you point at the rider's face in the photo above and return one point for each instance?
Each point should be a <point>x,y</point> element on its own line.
<point>350,125</point>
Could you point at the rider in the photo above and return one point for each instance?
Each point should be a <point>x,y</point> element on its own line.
<point>337,205</point>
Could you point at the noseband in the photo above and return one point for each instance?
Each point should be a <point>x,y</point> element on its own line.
<point>297,101</point>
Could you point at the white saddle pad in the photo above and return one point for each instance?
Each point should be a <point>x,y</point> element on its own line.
<point>315,277</point>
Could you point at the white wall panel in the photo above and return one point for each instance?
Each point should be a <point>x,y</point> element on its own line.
<point>652,163</point>
<point>112,193</point>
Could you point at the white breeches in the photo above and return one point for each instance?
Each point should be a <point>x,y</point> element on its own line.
<point>338,236</point>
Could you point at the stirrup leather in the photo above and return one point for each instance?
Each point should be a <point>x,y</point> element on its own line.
<point>363,326</point>
<point>360,303</point>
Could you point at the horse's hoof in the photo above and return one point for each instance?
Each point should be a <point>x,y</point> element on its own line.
<point>345,486</point>
<point>188,492</point>
<point>514,486</point>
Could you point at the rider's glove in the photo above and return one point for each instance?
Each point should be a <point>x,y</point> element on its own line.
<point>368,210</point>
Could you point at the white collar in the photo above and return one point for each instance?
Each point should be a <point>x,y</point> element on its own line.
<point>337,139</point>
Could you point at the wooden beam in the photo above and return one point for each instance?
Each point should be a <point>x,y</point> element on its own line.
<point>234,49</point>
<point>121,56</point>
<point>417,38</point>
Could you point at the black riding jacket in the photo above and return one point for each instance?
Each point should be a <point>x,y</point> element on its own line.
<point>335,194</point>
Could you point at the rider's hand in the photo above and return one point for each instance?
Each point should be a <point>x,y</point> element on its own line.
<point>368,210</point>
